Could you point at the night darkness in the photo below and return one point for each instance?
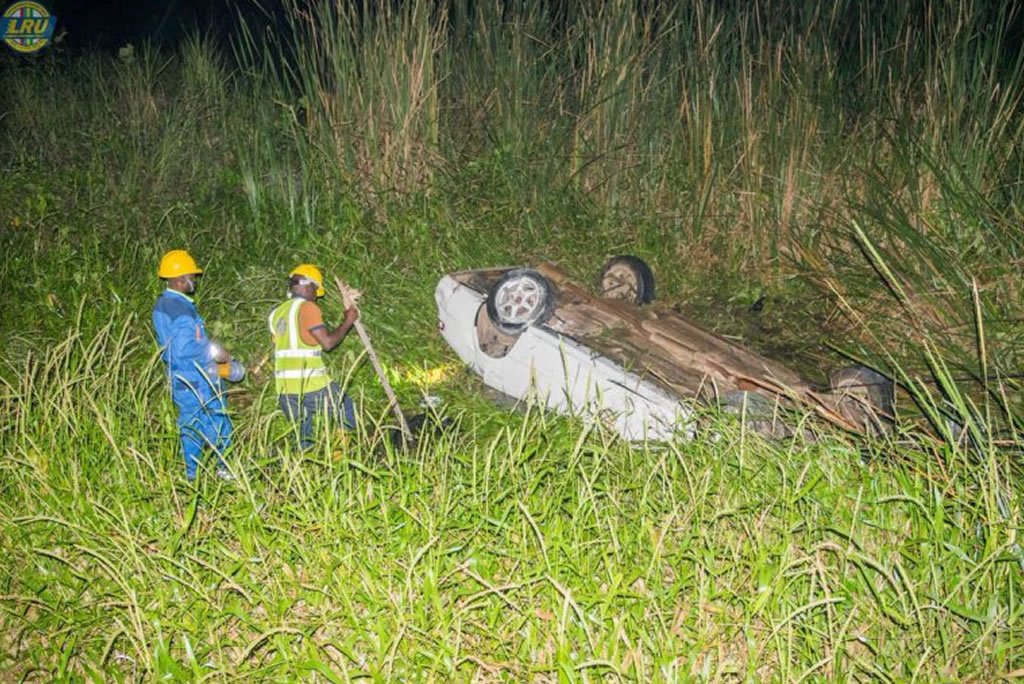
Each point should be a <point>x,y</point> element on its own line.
<point>108,24</point>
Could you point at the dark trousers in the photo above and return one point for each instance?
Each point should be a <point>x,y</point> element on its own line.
<point>331,402</point>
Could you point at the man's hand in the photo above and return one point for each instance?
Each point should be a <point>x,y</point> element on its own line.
<point>219,354</point>
<point>329,339</point>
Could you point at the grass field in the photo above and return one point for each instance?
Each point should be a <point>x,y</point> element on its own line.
<point>856,172</point>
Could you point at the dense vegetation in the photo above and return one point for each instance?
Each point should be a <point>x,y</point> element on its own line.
<point>856,172</point>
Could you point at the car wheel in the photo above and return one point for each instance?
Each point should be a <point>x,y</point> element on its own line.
<point>864,397</point>
<point>521,298</point>
<point>629,278</point>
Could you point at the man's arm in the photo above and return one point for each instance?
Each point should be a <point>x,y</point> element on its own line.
<point>329,339</point>
<point>186,343</point>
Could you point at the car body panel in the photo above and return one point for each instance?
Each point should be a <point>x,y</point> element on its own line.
<point>640,369</point>
<point>557,371</point>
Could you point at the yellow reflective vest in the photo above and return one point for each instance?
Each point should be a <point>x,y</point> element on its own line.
<point>298,367</point>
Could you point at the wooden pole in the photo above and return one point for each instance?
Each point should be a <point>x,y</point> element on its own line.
<point>406,433</point>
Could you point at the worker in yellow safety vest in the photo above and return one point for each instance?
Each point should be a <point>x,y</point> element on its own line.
<point>300,338</point>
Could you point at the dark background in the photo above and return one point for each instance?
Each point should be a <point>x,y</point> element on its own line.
<point>106,25</point>
<point>109,24</point>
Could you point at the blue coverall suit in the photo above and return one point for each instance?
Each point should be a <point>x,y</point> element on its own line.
<point>197,392</point>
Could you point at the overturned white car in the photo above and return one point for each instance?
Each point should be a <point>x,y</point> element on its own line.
<point>535,335</point>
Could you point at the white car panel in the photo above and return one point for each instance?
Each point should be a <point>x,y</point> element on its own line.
<point>546,367</point>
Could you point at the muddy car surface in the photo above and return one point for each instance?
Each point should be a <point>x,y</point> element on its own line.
<point>536,335</point>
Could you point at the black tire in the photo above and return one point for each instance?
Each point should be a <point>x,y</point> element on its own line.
<point>520,298</point>
<point>865,398</point>
<point>421,425</point>
<point>628,278</point>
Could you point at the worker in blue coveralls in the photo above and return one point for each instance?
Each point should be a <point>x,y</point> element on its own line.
<point>195,365</point>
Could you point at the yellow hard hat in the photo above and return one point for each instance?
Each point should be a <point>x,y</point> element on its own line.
<point>313,273</point>
<point>176,263</point>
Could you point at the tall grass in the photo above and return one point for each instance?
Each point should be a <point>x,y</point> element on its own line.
<point>730,139</point>
<point>360,85</point>
<point>524,550</point>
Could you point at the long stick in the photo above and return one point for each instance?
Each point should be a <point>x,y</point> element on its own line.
<point>406,433</point>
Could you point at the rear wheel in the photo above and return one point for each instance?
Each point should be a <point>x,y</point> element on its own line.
<point>864,397</point>
<point>521,298</point>
<point>628,278</point>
